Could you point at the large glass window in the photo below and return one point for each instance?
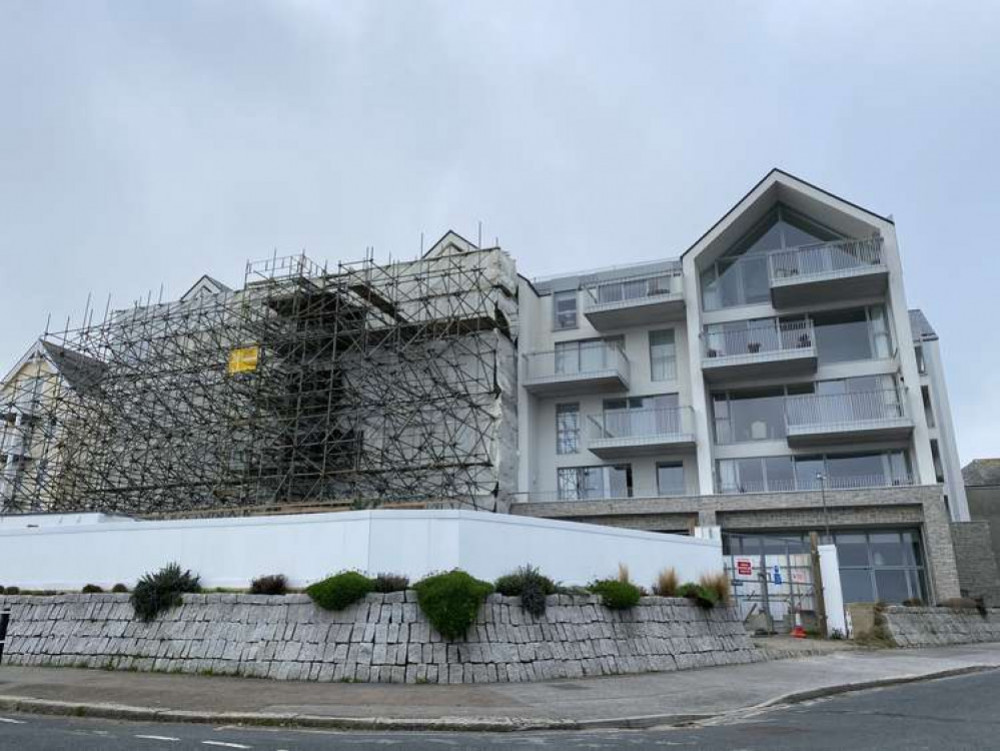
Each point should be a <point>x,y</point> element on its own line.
<point>564,310</point>
<point>885,565</point>
<point>749,415</point>
<point>845,335</point>
<point>662,355</point>
<point>670,478</point>
<point>642,415</point>
<point>740,276</point>
<point>606,481</point>
<point>567,428</point>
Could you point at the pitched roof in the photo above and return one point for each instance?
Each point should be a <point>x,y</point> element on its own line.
<point>982,472</point>
<point>921,327</point>
<point>450,242</point>
<point>206,285</point>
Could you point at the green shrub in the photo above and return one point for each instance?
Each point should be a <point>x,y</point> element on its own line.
<point>391,583</point>
<point>451,600</point>
<point>701,596</point>
<point>272,584</point>
<point>91,589</point>
<point>616,594</point>
<point>341,590</point>
<point>119,588</point>
<point>158,592</point>
<point>530,585</point>
<point>12,591</point>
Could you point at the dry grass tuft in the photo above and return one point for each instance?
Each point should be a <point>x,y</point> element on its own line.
<point>623,573</point>
<point>667,583</point>
<point>719,584</point>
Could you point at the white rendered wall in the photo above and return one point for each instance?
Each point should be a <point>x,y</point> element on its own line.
<point>231,552</point>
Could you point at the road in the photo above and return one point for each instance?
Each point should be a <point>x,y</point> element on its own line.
<point>960,713</point>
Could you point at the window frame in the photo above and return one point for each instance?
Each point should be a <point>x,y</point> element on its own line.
<point>564,295</point>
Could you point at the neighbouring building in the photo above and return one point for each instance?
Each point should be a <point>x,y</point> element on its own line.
<point>982,488</point>
<point>770,382</point>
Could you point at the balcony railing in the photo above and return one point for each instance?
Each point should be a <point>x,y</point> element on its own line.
<point>636,288</point>
<point>641,423</point>
<point>844,410</point>
<point>844,258</point>
<point>762,339</point>
<point>847,482</point>
<point>596,362</point>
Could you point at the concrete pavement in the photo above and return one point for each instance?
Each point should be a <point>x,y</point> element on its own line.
<point>943,715</point>
<point>621,702</point>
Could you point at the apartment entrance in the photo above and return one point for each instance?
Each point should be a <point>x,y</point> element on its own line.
<point>772,580</point>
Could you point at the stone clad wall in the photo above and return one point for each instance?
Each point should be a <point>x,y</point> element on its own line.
<point>384,638</point>
<point>928,627</point>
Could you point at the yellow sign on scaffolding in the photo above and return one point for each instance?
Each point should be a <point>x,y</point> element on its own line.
<point>243,359</point>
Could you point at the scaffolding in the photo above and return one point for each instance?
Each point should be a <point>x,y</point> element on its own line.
<point>307,388</point>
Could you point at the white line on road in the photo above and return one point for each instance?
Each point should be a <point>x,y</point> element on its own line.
<point>9,721</point>
<point>158,738</point>
<point>225,745</point>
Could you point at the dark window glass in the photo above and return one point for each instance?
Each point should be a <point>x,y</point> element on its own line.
<point>842,336</point>
<point>670,478</point>
<point>780,476</point>
<point>564,307</point>
<point>751,475</point>
<point>857,585</point>
<point>852,549</point>
<point>891,585</point>
<point>567,428</point>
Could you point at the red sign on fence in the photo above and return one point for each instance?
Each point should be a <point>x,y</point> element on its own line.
<point>744,567</point>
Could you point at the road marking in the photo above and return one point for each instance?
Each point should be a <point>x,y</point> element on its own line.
<point>225,745</point>
<point>9,721</point>
<point>158,738</point>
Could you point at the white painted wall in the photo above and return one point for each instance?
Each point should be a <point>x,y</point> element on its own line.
<point>231,552</point>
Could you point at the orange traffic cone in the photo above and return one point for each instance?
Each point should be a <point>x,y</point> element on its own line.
<point>798,632</point>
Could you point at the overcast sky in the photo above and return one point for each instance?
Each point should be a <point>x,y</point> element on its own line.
<point>147,143</point>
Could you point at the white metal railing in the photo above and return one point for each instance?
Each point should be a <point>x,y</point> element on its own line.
<point>584,359</point>
<point>826,259</point>
<point>844,410</point>
<point>641,423</point>
<point>787,485</point>
<point>766,337</point>
<point>635,288</point>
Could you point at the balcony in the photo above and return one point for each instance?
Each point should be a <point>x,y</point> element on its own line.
<point>822,419</point>
<point>587,368</point>
<point>635,301</point>
<point>626,433</point>
<point>826,272</point>
<point>759,350</point>
<point>836,482</point>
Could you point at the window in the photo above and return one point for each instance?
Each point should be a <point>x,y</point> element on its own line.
<point>641,416</point>
<point>662,355</point>
<point>749,415</point>
<point>564,310</point>
<point>859,334</point>
<point>567,428</point>
<point>886,565</point>
<point>670,478</point>
<point>606,481</point>
<point>921,363</point>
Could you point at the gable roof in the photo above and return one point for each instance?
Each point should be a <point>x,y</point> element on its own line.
<point>982,472</point>
<point>450,242</point>
<point>35,350</point>
<point>768,190</point>
<point>206,285</point>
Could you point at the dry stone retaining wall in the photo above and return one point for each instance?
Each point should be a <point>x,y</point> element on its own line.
<point>928,627</point>
<point>384,638</point>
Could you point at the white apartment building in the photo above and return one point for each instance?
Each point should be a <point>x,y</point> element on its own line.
<point>768,381</point>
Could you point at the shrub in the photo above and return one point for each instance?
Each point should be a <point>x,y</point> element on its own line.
<point>91,589</point>
<point>119,588</point>
<point>616,595</point>
<point>272,584</point>
<point>699,595</point>
<point>157,592</point>
<point>666,583</point>
<point>574,590</point>
<point>451,600</point>
<point>12,591</point>
<point>530,585</point>
<point>341,590</point>
<point>391,582</point>
<point>717,583</point>
<point>913,602</point>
